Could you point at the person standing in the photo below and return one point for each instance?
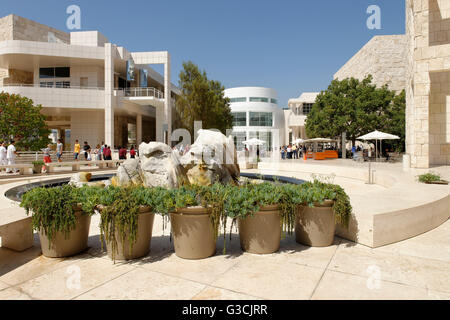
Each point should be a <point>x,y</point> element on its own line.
<point>122,153</point>
<point>133,152</point>
<point>11,154</point>
<point>86,150</point>
<point>97,152</point>
<point>76,150</point>
<point>3,161</point>
<point>101,150</point>
<point>59,150</point>
<point>47,157</point>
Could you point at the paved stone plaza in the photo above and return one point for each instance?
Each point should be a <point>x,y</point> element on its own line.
<point>416,268</point>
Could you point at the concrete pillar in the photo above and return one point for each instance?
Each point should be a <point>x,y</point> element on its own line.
<point>109,94</point>
<point>167,101</point>
<point>139,129</point>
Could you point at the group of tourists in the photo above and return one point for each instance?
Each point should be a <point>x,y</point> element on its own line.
<point>8,154</point>
<point>182,149</point>
<point>292,151</point>
<point>101,152</point>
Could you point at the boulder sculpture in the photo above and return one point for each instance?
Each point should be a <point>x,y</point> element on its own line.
<point>157,166</point>
<point>212,158</point>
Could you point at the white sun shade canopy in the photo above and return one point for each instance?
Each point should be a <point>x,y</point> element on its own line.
<point>378,135</point>
<point>254,142</point>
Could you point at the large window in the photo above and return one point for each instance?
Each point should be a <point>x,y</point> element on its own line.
<point>274,101</point>
<point>258,99</point>
<point>307,108</point>
<point>262,135</point>
<point>239,119</point>
<point>233,100</point>
<point>239,138</point>
<point>59,72</point>
<point>261,119</point>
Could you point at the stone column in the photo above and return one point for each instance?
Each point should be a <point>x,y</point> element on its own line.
<point>109,95</point>
<point>138,129</point>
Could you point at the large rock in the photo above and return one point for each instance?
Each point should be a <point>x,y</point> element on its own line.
<point>129,173</point>
<point>212,158</point>
<point>160,167</point>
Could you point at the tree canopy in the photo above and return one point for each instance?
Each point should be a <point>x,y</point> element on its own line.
<point>22,121</point>
<point>203,100</point>
<point>357,108</point>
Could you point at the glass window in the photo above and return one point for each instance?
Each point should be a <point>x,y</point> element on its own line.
<point>274,101</point>
<point>63,72</point>
<point>239,138</point>
<point>46,72</point>
<point>233,100</point>
<point>239,119</point>
<point>62,84</point>
<point>261,119</point>
<point>307,108</point>
<point>258,99</point>
<point>262,135</point>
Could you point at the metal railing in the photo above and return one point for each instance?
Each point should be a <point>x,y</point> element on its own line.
<point>38,85</point>
<point>143,92</point>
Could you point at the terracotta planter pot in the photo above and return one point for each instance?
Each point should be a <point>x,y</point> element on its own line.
<point>143,239</point>
<point>193,233</point>
<point>37,168</point>
<point>261,233</point>
<point>76,242</point>
<point>315,226</point>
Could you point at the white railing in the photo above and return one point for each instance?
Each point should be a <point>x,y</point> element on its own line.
<point>38,85</point>
<point>143,92</point>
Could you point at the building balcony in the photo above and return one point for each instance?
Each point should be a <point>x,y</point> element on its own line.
<point>143,92</point>
<point>59,96</point>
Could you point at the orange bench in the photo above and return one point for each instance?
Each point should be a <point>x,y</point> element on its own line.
<point>331,154</point>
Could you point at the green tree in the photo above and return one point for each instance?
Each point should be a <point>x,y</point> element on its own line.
<point>22,121</point>
<point>203,100</point>
<point>356,108</point>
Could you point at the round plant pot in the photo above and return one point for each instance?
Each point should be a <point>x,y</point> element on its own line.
<point>143,238</point>
<point>37,168</point>
<point>315,226</point>
<point>193,233</point>
<point>261,233</point>
<point>75,243</point>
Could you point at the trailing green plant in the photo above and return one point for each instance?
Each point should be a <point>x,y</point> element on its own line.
<point>318,192</point>
<point>429,177</point>
<point>53,209</point>
<point>38,163</point>
<point>119,213</point>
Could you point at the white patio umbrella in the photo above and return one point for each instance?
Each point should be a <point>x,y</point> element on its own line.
<point>378,135</point>
<point>299,140</point>
<point>254,142</point>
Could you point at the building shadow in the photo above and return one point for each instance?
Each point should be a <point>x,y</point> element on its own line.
<point>436,35</point>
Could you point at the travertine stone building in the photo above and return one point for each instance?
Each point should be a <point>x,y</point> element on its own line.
<point>420,63</point>
<point>428,82</point>
<point>91,89</point>
<point>384,58</point>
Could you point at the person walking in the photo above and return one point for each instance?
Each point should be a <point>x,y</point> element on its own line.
<point>97,153</point>
<point>47,157</point>
<point>122,153</point>
<point>59,150</point>
<point>102,147</point>
<point>11,154</point>
<point>107,153</point>
<point>86,150</point>
<point>3,161</point>
<point>76,150</point>
<point>133,152</point>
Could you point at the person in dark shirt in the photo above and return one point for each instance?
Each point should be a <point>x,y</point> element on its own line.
<point>86,149</point>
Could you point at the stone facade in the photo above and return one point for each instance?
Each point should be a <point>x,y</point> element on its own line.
<point>13,27</point>
<point>428,90</point>
<point>384,58</point>
<point>14,76</point>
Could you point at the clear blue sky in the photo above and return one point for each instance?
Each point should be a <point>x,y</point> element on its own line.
<point>292,46</point>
